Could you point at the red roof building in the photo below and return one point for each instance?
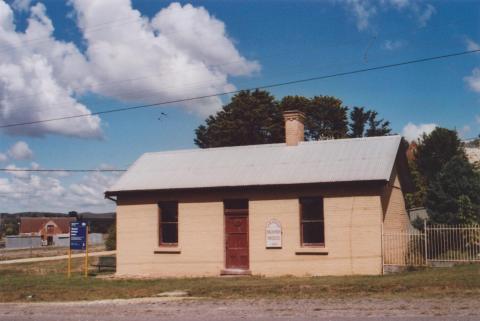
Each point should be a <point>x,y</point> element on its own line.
<point>46,227</point>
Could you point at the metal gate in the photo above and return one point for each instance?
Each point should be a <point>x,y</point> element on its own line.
<point>436,243</point>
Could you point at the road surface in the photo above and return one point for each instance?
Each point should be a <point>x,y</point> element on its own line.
<point>159,309</point>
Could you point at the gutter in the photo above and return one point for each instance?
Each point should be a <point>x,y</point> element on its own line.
<point>110,194</point>
<point>110,197</point>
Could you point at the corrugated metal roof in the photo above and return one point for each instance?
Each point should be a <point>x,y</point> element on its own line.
<point>340,160</point>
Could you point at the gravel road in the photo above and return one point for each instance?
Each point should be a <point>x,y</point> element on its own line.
<point>158,309</point>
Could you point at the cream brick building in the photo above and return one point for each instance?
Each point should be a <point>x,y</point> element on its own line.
<point>299,208</point>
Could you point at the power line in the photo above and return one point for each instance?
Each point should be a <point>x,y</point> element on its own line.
<point>274,85</point>
<point>109,85</point>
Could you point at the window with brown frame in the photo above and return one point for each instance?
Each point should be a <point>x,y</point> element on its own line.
<point>312,225</point>
<point>168,223</point>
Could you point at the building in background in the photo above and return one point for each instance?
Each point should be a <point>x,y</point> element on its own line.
<point>48,228</point>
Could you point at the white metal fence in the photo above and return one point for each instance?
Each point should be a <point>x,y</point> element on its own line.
<point>436,243</point>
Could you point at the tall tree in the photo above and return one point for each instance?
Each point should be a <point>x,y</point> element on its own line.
<point>358,121</point>
<point>435,150</point>
<point>326,117</point>
<point>252,117</point>
<point>417,198</point>
<point>255,117</point>
<point>376,127</point>
<point>453,196</point>
<point>294,103</point>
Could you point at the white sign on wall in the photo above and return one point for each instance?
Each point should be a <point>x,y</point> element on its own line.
<point>273,234</point>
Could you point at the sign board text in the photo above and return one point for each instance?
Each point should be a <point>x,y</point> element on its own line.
<point>78,236</point>
<point>273,234</point>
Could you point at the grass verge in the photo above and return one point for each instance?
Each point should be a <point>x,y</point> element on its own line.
<point>46,281</point>
<point>45,251</point>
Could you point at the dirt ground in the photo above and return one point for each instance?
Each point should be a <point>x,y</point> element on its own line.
<point>149,309</point>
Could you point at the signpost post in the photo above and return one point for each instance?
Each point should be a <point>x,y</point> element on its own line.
<point>78,241</point>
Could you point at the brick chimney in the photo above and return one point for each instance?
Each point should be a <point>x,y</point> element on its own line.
<point>294,129</point>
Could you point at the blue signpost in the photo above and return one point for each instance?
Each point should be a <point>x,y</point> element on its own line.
<point>78,241</point>
<point>78,236</point>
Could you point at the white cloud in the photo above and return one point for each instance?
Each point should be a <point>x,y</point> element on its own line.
<point>399,4</point>
<point>425,14</point>
<point>471,45</point>
<point>3,157</point>
<point>465,131</point>
<point>181,52</point>
<point>37,77</point>
<point>21,5</point>
<point>393,44</point>
<point>20,150</point>
<point>48,192</point>
<point>412,132</point>
<point>18,174</point>
<point>365,10</point>
<point>477,119</point>
<point>473,81</point>
<point>362,10</point>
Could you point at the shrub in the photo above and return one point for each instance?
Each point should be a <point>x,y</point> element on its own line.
<point>111,243</point>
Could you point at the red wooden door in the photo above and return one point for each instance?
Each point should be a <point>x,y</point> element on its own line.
<point>236,237</point>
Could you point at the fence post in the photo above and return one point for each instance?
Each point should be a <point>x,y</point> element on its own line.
<point>426,241</point>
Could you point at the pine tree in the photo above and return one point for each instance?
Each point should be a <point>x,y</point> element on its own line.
<point>453,196</point>
<point>377,127</point>
<point>358,121</point>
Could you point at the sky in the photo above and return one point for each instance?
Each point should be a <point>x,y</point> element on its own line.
<point>61,58</point>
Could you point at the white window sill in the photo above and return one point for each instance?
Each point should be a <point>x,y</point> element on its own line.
<point>312,251</point>
<point>167,250</point>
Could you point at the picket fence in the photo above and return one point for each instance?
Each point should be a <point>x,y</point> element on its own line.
<point>436,243</point>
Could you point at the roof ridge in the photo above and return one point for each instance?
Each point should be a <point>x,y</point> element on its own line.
<point>350,139</point>
<point>178,151</point>
<point>189,150</point>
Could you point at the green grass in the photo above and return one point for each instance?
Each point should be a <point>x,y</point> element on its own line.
<point>47,281</point>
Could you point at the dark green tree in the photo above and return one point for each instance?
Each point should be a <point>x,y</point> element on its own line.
<point>376,127</point>
<point>417,198</point>
<point>435,150</point>
<point>326,118</point>
<point>453,196</point>
<point>10,226</point>
<point>111,242</point>
<point>294,103</point>
<point>358,121</point>
<point>252,117</point>
<point>255,117</point>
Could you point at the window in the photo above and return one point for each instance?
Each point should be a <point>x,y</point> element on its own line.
<point>312,222</point>
<point>168,223</point>
<point>235,204</point>
<point>50,229</point>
